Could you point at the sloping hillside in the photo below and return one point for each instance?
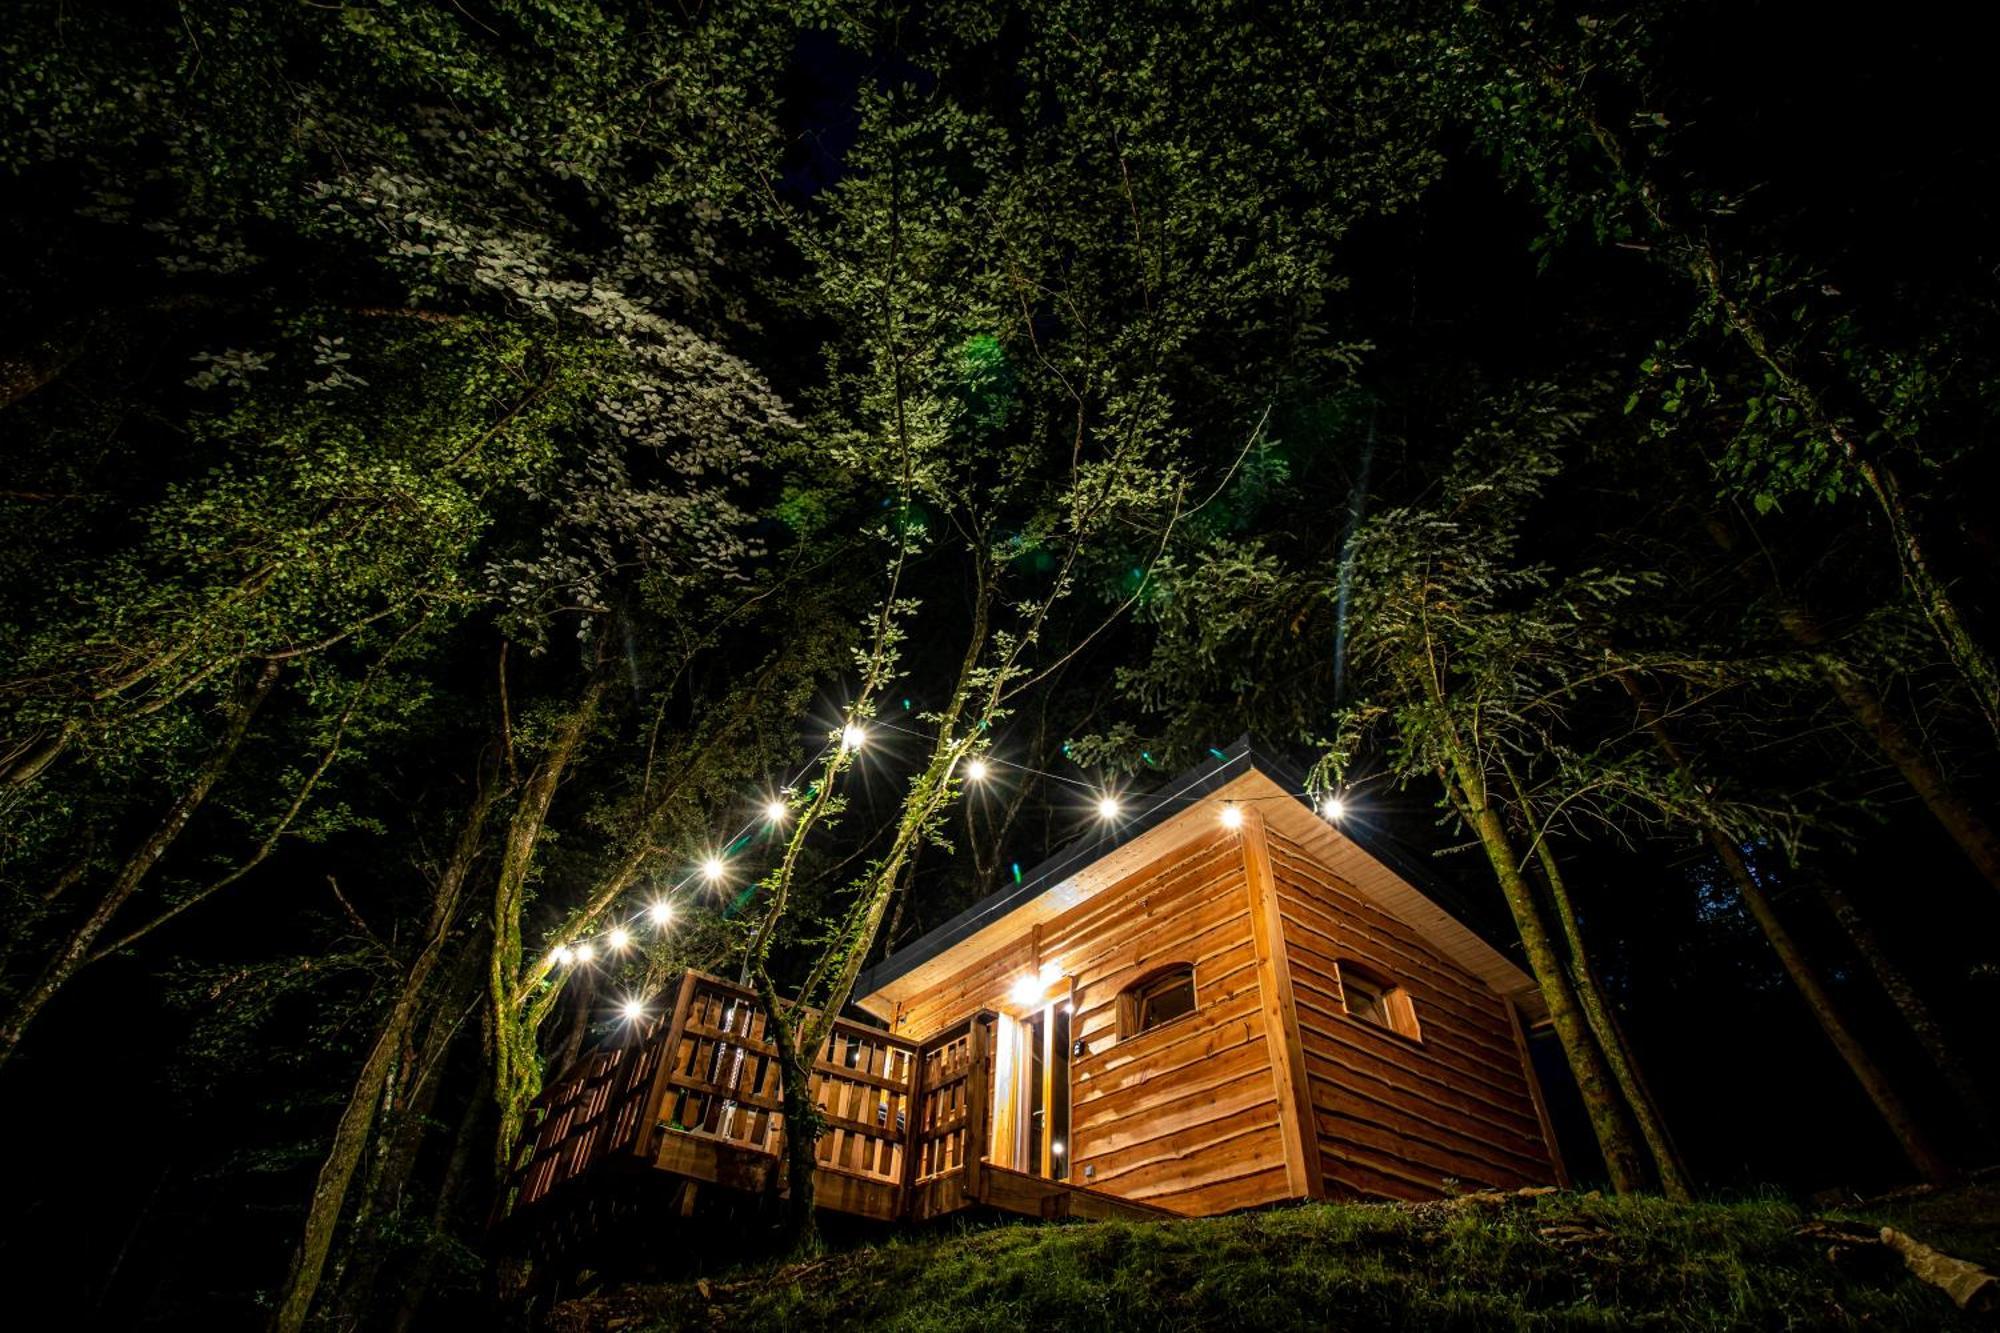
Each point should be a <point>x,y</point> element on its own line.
<point>1485,1262</point>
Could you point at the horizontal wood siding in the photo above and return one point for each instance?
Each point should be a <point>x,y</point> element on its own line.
<point>1394,1116</point>
<point>1185,1116</point>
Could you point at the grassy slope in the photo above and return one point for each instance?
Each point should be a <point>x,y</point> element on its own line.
<point>1557,1262</point>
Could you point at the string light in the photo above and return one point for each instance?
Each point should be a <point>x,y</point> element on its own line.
<point>634,1010</point>
<point>1029,990</point>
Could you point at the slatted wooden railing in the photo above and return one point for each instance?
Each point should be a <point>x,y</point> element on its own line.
<point>595,1111</point>
<point>952,1104</point>
<point>705,1082</point>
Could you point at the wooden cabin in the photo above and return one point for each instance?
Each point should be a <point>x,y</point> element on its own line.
<point>1225,1002</point>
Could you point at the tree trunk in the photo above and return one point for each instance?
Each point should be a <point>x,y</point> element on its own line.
<point>457,1172</point>
<point>1974,836</point>
<point>350,1137</point>
<point>408,1127</point>
<point>1611,1037</point>
<point>1594,1081</point>
<point>75,948</point>
<point>1910,1004</point>
<point>517,1013</point>
<point>1696,253</point>
<point>1895,1113</point>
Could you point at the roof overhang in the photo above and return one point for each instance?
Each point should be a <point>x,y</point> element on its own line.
<point>1179,815</point>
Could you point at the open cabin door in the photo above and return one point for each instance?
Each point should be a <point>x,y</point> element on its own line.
<point>1031,1127</point>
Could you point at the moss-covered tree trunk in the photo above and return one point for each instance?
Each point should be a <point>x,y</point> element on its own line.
<point>1594,1081</point>
<point>1604,1025</point>
<point>517,1007</point>
<point>357,1117</point>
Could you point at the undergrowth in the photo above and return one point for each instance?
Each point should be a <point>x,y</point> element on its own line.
<point>1559,1262</point>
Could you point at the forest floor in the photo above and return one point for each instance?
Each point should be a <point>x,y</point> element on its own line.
<point>1549,1261</point>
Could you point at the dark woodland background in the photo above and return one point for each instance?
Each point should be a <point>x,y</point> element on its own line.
<point>473,440</point>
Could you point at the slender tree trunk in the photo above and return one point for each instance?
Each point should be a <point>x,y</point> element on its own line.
<point>408,1128</point>
<point>517,1011</point>
<point>1889,1104</point>
<point>1697,254</point>
<point>1594,1081</point>
<point>350,1137</point>
<point>1964,825</point>
<point>1910,1004</point>
<point>75,948</point>
<point>1611,1037</point>
<point>457,1173</point>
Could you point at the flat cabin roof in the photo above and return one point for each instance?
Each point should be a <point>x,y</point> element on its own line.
<point>1176,816</point>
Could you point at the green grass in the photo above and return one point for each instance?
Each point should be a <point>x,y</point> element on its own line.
<point>1557,1262</point>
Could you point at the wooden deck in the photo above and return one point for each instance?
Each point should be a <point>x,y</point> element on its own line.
<point>697,1098</point>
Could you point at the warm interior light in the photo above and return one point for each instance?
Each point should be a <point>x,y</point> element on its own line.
<point>661,912</point>
<point>1107,807</point>
<point>1232,815</point>
<point>585,952</point>
<point>1333,808</point>
<point>634,1010</point>
<point>619,938</point>
<point>852,736</point>
<point>711,869</point>
<point>976,771</point>
<point>777,811</point>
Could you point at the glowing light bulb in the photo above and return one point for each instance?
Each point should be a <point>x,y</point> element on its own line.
<point>1107,807</point>
<point>661,912</point>
<point>777,811</point>
<point>852,736</point>
<point>1027,992</point>
<point>563,956</point>
<point>976,771</point>
<point>711,869</point>
<point>634,1010</point>
<point>618,939</point>
<point>1232,815</point>
<point>1056,1147</point>
<point>585,952</point>
<point>1333,808</point>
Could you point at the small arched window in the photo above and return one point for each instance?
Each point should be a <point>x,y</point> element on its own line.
<point>1157,998</point>
<point>1373,998</point>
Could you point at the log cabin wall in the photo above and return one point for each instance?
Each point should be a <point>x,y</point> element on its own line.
<point>1186,1116</point>
<point>1395,1116</point>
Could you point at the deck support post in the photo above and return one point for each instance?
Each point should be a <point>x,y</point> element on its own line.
<point>978,1103</point>
<point>1303,1175</point>
<point>669,1037</point>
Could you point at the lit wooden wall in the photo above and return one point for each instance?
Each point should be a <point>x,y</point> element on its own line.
<point>1268,1090</point>
<point>1185,1116</point>
<point>1394,1117</point>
